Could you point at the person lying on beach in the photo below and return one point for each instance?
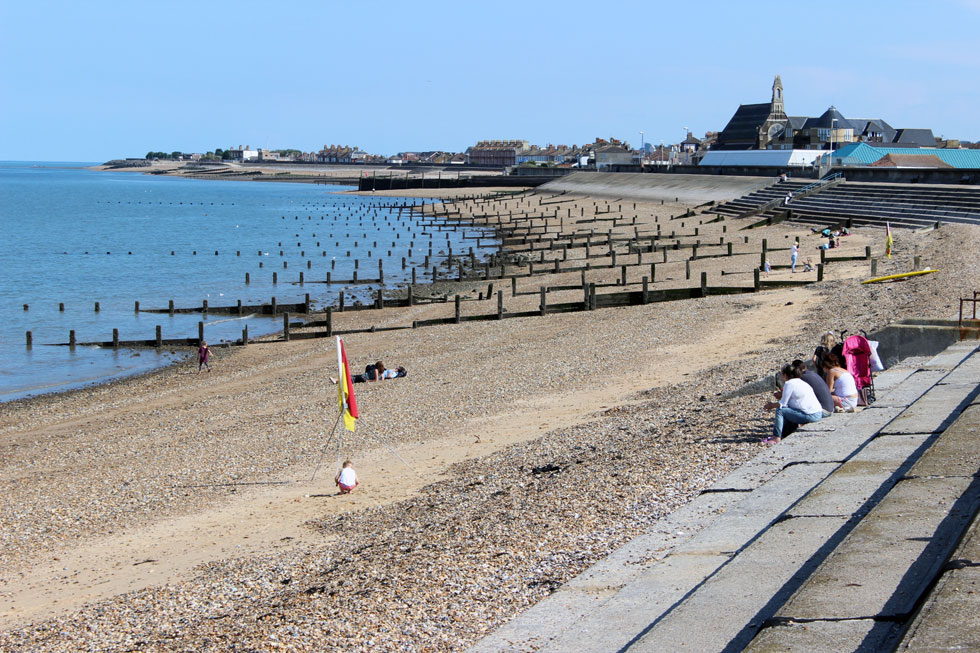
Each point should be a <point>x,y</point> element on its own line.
<point>797,403</point>
<point>346,478</point>
<point>393,374</point>
<point>371,373</point>
<point>376,372</point>
<point>841,384</point>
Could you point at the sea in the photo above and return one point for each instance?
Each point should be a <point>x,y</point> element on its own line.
<point>72,237</point>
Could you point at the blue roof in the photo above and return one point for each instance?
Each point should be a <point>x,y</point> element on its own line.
<point>862,154</point>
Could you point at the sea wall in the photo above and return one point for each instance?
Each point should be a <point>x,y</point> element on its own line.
<point>674,187</point>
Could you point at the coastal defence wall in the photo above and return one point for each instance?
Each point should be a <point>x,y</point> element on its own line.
<point>681,188</point>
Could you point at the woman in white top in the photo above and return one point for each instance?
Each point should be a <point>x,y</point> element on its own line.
<point>797,404</point>
<point>841,384</point>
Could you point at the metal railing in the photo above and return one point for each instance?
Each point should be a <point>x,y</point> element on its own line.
<point>818,183</point>
<point>974,300</point>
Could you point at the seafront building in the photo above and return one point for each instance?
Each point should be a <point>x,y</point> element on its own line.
<point>766,125</point>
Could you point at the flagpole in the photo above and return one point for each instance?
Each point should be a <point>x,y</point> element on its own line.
<point>327,444</point>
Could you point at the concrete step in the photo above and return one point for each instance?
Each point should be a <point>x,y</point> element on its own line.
<point>747,545</point>
<point>863,596</point>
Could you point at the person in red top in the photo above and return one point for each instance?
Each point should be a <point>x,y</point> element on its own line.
<point>203,354</point>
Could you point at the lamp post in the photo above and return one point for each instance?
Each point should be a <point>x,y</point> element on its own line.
<point>833,123</point>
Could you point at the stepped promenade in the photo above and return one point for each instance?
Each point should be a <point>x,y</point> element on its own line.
<point>857,533</point>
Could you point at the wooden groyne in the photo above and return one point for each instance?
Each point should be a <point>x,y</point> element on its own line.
<point>541,235</point>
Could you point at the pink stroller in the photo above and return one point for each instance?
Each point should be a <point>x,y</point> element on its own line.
<point>857,354</point>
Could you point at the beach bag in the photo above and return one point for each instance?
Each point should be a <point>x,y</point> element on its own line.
<point>876,364</point>
<point>866,395</point>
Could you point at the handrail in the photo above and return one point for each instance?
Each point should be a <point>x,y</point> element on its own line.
<point>976,298</point>
<point>820,182</point>
<point>800,192</point>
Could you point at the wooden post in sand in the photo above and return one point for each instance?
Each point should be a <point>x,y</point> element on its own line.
<point>200,332</point>
<point>874,267</point>
<point>513,286</point>
<point>159,336</point>
<point>653,273</point>
<point>500,305</point>
<point>329,318</point>
<point>245,336</point>
<point>592,300</point>
<point>274,306</point>
<point>646,291</point>
<point>543,307</point>
<point>867,252</point>
<point>459,313</point>
<point>623,276</point>
<point>285,326</point>
<point>687,269</point>
<point>755,280</point>
<point>704,284</point>
<point>819,271</point>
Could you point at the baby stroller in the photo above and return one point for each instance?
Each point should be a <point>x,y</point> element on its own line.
<point>857,354</point>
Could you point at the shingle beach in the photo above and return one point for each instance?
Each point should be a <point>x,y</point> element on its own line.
<point>175,511</point>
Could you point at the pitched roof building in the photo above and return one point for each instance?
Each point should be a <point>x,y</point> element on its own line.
<point>754,125</point>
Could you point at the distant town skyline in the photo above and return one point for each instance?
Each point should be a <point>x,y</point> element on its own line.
<point>101,80</point>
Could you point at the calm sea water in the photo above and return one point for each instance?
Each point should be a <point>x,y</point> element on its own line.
<point>77,236</point>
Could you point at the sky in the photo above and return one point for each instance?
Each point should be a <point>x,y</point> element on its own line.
<point>101,79</point>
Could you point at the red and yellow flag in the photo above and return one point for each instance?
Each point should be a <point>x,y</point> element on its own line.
<point>345,388</point>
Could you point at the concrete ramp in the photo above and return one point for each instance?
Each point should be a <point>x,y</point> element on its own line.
<point>688,189</point>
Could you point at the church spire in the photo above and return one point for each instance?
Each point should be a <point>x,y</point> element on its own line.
<point>777,110</point>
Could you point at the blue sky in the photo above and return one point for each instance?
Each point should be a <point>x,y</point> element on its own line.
<point>94,80</point>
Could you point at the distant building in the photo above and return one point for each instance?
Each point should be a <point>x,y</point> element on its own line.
<point>335,154</point>
<point>612,155</point>
<point>754,125</point>
<point>867,154</point>
<point>910,161</point>
<point>690,144</point>
<point>767,126</point>
<point>497,153</point>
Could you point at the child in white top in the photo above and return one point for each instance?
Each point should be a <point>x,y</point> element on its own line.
<point>346,478</point>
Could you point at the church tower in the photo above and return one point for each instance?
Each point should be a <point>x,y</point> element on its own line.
<point>777,112</point>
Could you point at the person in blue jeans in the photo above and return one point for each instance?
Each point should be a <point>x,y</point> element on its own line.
<point>797,403</point>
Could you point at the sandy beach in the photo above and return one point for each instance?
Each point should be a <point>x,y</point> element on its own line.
<point>177,510</point>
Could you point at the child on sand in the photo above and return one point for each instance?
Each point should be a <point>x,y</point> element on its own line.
<point>203,354</point>
<point>346,478</point>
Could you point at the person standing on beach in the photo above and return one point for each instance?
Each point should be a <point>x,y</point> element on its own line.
<point>203,354</point>
<point>795,254</point>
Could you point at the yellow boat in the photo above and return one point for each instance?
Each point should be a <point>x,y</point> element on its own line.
<point>904,275</point>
